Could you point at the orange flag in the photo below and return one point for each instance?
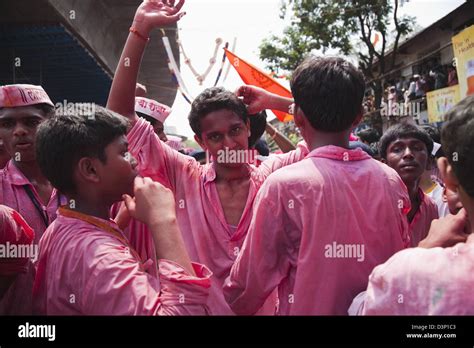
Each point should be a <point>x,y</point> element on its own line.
<point>252,75</point>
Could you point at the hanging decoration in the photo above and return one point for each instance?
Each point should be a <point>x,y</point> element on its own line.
<point>174,70</point>
<point>201,77</point>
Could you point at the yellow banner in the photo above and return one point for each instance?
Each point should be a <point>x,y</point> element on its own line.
<point>440,101</point>
<point>463,47</point>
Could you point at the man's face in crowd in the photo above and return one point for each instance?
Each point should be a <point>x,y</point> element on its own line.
<point>223,129</point>
<point>409,158</point>
<point>18,131</point>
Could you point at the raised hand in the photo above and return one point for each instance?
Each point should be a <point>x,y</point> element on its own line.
<point>256,98</point>
<point>153,203</point>
<point>153,14</point>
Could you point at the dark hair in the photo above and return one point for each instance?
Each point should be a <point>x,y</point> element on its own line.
<point>329,91</point>
<point>213,99</point>
<point>360,145</point>
<point>369,135</point>
<point>457,137</point>
<point>148,118</point>
<point>262,147</point>
<point>62,141</point>
<point>47,109</point>
<point>403,131</point>
<point>435,135</point>
<point>258,122</point>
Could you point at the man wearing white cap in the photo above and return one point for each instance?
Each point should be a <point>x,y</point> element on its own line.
<point>23,187</point>
<point>155,113</point>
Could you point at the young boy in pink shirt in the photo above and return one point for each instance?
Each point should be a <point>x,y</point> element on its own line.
<point>23,187</point>
<point>16,252</point>
<point>213,201</point>
<point>314,233</point>
<point>407,148</point>
<point>86,265</point>
<point>436,278</point>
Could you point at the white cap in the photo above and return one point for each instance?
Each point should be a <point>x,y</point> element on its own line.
<point>152,108</point>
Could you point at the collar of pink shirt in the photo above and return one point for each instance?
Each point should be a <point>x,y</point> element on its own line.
<point>15,175</point>
<point>339,153</point>
<point>17,178</point>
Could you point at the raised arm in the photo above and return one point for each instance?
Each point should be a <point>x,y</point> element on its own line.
<point>258,99</point>
<point>149,15</point>
<point>282,142</point>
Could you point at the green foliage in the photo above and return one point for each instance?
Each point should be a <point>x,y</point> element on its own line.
<point>342,26</point>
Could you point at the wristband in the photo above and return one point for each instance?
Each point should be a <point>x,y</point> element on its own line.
<point>137,33</point>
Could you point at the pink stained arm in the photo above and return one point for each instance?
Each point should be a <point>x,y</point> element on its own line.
<point>149,15</point>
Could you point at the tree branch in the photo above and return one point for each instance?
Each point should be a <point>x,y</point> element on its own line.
<point>367,39</point>
<point>399,33</point>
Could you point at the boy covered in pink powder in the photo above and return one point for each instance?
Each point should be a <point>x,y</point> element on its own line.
<point>407,149</point>
<point>315,235</point>
<point>86,265</point>
<point>214,201</point>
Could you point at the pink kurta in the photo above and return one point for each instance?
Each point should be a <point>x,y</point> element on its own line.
<point>15,233</point>
<point>86,270</point>
<point>420,225</point>
<point>13,194</point>
<point>419,281</point>
<point>318,229</point>
<point>208,237</point>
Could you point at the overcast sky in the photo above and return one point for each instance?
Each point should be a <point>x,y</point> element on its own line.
<point>249,21</point>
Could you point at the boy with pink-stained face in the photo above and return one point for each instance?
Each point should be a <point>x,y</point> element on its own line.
<point>213,201</point>
<point>86,266</point>
<point>23,187</point>
<point>407,149</point>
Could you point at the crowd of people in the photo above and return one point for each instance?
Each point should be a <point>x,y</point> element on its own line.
<point>125,224</point>
<point>406,92</point>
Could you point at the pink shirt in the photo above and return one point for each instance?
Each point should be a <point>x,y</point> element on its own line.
<point>86,270</point>
<point>14,195</point>
<point>318,229</point>
<point>420,225</point>
<point>208,237</point>
<point>419,281</point>
<point>15,234</point>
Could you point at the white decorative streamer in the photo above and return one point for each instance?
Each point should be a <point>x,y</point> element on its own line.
<point>174,66</point>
